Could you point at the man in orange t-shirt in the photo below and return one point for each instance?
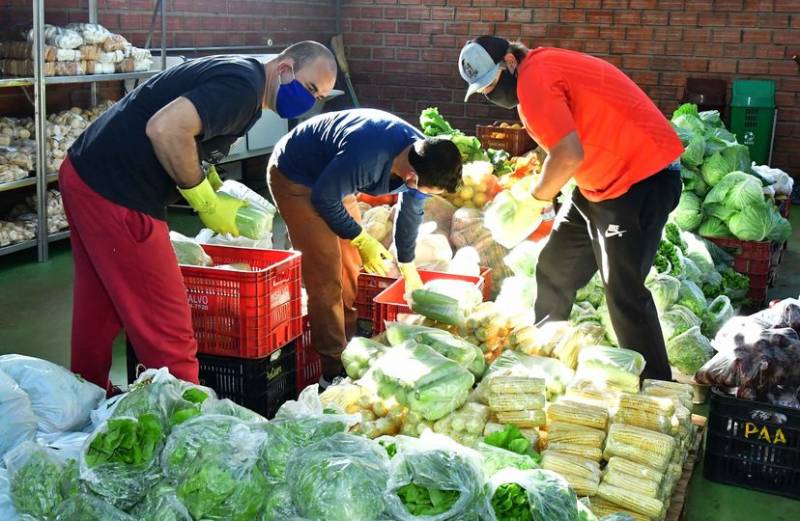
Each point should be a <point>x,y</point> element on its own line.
<point>600,129</point>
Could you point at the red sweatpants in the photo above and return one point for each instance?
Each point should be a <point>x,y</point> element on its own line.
<point>126,276</point>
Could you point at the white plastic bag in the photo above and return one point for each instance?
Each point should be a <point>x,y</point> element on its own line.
<point>65,445</point>
<point>433,250</point>
<point>60,399</point>
<point>466,261</point>
<point>207,236</point>
<point>241,191</point>
<point>18,421</point>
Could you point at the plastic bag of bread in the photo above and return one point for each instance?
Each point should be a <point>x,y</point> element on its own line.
<point>91,33</point>
<point>114,42</point>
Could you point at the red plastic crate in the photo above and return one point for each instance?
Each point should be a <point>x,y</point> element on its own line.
<point>754,259</point>
<point>391,301</point>
<point>245,314</point>
<point>309,364</point>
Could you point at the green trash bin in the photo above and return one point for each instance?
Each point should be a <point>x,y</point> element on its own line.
<point>753,116</point>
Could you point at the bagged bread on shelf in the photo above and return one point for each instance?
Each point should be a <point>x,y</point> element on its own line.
<point>69,68</point>
<point>68,55</point>
<point>110,56</point>
<point>93,67</point>
<point>114,42</point>
<point>59,37</point>
<point>91,33</point>
<point>89,52</point>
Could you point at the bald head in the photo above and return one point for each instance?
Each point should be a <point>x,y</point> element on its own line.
<point>310,54</point>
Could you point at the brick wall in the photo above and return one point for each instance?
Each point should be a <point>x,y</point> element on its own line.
<point>403,53</point>
<point>190,23</point>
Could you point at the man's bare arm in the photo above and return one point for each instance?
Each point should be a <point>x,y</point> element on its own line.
<point>172,131</point>
<point>563,161</point>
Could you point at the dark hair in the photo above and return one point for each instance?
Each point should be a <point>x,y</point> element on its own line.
<point>304,53</point>
<point>518,49</point>
<point>437,162</point>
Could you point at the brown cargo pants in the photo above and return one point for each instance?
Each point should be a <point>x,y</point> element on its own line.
<point>330,268</point>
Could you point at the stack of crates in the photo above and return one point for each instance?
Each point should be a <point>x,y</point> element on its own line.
<point>246,324</point>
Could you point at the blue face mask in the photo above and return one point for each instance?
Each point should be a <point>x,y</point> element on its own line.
<point>293,100</point>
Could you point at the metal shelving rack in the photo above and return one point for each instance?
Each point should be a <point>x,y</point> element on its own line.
<point>40,82</point>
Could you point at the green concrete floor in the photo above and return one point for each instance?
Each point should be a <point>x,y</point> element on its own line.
<point>35,306</point>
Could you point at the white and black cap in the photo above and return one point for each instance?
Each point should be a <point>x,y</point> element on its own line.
<point>479,61</point>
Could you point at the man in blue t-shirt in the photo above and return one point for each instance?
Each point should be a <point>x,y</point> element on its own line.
<point>139,157</point>
<point>315,172</point>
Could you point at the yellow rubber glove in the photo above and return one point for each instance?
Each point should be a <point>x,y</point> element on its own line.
<point>372,253</point>
<point>217,211</point>
<point>213,178</point>
<point>410,275</point>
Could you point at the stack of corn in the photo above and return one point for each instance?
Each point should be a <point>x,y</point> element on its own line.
<point>489,328</point>
<point>465,425</point>
<point>517,400</point>
<point>574,442</point>
<point>640,473</point>
<point>602,508</point>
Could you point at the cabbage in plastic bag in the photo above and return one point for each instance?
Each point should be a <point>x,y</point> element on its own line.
<point>189,251</point>
<point>549,497</point>
<point>688,214</point>
<point>665,289</point>
<point>85,507</point>
<point>677,320</point>
<point>19,422</point>
<point>60,399</point>
<point>340,478</point>
<point>212,462</point>
<point>510,218</point>
<point>688,351</point>
<point>718,313</point>
<point>450,473</point>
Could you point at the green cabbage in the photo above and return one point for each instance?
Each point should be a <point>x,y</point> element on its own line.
<point>688,214</point>
<point>711,118</point>
<point>688,351</point>
<point>713,227</point>
<point>695,151</point>
<point>715,168</point>
<point>693,181</point>
<point>781,229</point>
<point>736,190</point>
<point>752,223</point>
<point>718,211</point>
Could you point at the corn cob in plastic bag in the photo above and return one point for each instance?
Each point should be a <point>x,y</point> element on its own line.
<point>523,419</point>
<point>649,404</point>
<point>580,414</point>
<point>641,486</point>
<point>628,500</point>
<point>516,402</point>
<point>602,508</point>
<point>581,451</point>
<point>510,384</point>
<point>562,432</point>
<point>566,464</point>
<point>636,470</point>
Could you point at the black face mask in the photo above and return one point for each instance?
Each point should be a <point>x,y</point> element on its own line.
<point>504,93</point>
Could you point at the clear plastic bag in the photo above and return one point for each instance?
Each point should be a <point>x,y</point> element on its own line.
<point>719,311</point>
<point>611,357</point>
<point>66,445</point>
<point>297,425</point>
<point>555,374</point>
<point>188,251</point>
<point>340,478</point>
<point>278,504</point>
<point>85,507</point>
<point>161,504</point>
<point>19,422</point>
<point>465,354</point>
<point>447,301</point>
<point>434,462</point>
<point>523,258</point>
<point>689,351</point>
<point>61,400</point>
<point>207,236</point>
<point>117,482</point>
<point>664,289</point>
<point>39,480</point>
<point>510,219</point>
<point>548,495</point>
<point>212,460</point>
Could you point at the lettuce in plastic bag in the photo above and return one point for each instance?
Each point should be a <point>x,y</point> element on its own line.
<point>39,480</point>
<point>536,495</point>
<point>719,311</point>
<point>676,321</point>
<point>433,479</point>
<point>340,478</point>
<point>689,351</point>
<point>161,504</point>
<point>688,214</point>
<point>189,251</point>
<point>665,289</point>
<point>691,296</point>
<point>85,507</point>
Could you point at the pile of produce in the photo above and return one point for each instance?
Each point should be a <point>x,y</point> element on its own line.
<point>722,196</point>
<point>759,356</point>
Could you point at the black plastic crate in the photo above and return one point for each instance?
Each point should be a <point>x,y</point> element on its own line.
<point>260,384</point>
<point>753,445</point>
